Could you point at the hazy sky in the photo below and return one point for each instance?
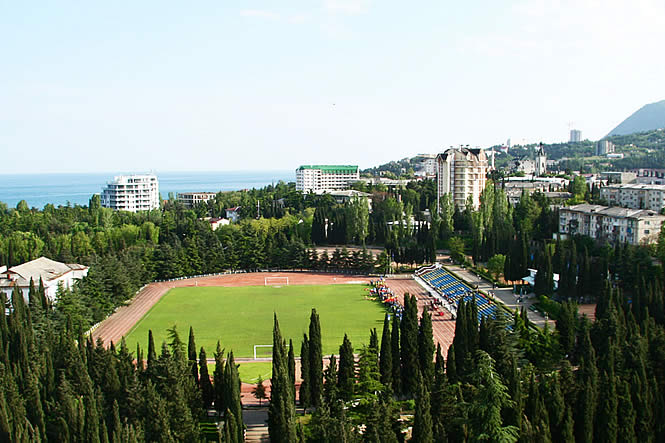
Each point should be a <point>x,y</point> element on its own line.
<point>220,85</point>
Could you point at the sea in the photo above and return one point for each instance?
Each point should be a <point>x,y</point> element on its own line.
<point>72,189</point>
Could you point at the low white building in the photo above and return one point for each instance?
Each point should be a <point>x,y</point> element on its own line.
<point>192,199</point>
<point>131,193</point>
<point>634,226</point>
<point>319,178</point>
<point>51,272</point>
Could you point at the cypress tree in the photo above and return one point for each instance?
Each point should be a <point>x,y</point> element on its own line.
<point>218,379</point>
<point>409,346</point>
<point>231,427</point>
<point>567,428</point>
<point>42,294</point>
<point>606,416</point>
<point>346,373</point>
<point>152,355</point>
<point>304,372</point>
<point>191,353</point>
<point>386,357</point>
<point>394,345</point>
<point>460,341</point>
<point>207,391</point>
<point>292,368</point>
<point>451,365</point>
<point>281,412</point>
<point>625,413</point>
<point>330,391</point>
<point>232,394</point>
<point>315,360</point>
<point>422,423</point>
<point>426,349</point>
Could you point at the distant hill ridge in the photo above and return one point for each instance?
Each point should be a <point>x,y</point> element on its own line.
<point>647,118</point>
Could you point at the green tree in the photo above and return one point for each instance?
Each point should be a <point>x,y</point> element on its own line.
<point>486,422</point>
<point>281,413</point>
<point>259,391</point>
<point>386,357</point>
<point>315,360</point>
<point>304,373</point>
<point>496,264</point>
<point>422,424</point>
<point>346,373</point>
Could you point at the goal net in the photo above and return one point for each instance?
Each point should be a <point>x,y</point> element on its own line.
<point>262,351</point>
<point>277,281</point>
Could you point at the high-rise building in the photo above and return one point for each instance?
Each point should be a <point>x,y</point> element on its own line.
<point>604,147</point>
<point>461,172</point>
<point>575,135</point>
<point>321,178</point>
<point>131,193</point>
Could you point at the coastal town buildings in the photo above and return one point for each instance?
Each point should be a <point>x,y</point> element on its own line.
<point>319,178</point>
<point>131,193</point>
<point>462,173</point>
<point>637,196</point>
<point>633,226</point>
<point>51,273</point>
<point>192,199</point>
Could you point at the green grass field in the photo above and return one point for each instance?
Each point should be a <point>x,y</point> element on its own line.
<point>243,317</point>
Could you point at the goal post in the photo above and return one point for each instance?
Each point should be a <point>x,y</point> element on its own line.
<point>276,281</point>
<point>261,346</point>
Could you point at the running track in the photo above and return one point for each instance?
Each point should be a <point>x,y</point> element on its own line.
<point>443,327</point>
<point>121,322</point>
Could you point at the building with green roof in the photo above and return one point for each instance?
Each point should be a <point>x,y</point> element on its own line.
<point>322,178</point>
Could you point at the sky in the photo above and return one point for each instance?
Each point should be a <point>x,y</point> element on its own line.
<point>269,85</point>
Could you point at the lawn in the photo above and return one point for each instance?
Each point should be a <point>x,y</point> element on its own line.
<point>243,317</point>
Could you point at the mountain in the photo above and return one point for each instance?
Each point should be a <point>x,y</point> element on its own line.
<point>647,118</point>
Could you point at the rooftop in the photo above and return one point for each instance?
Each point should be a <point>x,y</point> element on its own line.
<point>330,168</point>
<point>42,267</point>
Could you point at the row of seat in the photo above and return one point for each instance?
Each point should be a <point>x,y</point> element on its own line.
<point>453,290</point>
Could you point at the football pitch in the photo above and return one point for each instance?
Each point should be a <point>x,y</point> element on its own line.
<point>242,317</point>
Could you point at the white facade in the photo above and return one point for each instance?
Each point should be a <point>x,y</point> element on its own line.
<point>461,172</point>
<point>321,178</point>
<point>192,199</point>
<point>635,196</point>
<point>634,226</point>
<point>131,193</point>
<point>52,274</point>
<point>427,165</point>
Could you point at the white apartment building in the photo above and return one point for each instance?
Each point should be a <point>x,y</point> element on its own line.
<point>321,178</point>
<point>427,165</point>
<point>131,193</point>
<point>634,226</point>
<point>51,273</point>
<point>462,173</point>
<point>635,196</point>
<point>192,199</point>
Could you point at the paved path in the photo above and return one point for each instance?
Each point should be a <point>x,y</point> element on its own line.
<point>256,420</point>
